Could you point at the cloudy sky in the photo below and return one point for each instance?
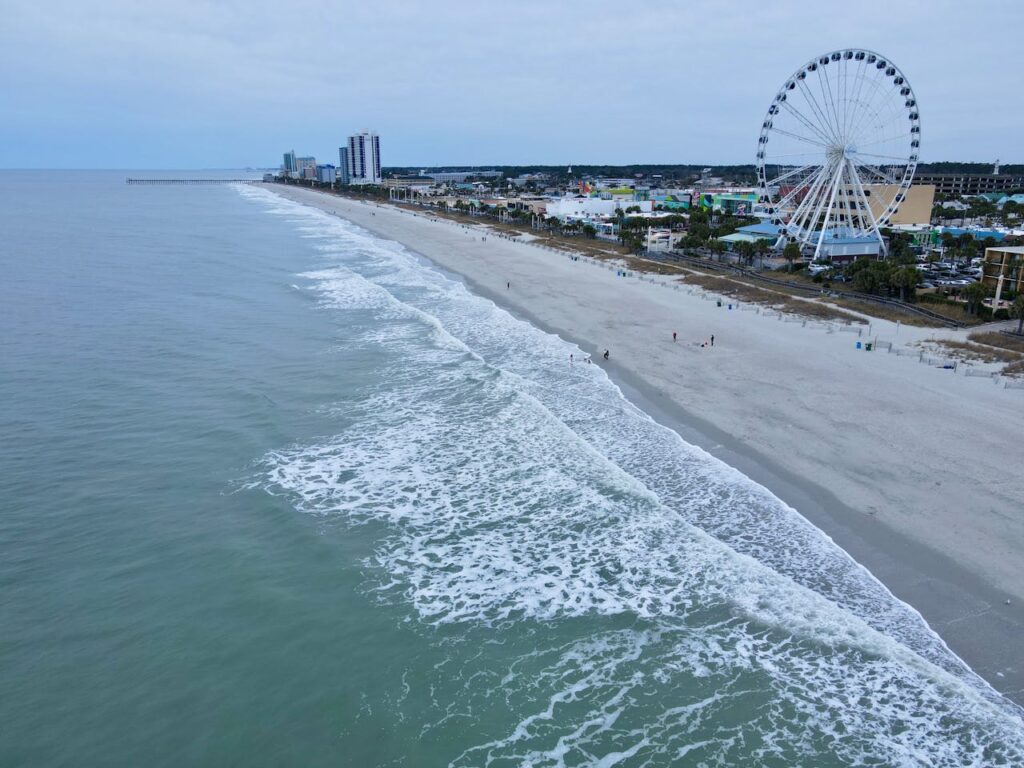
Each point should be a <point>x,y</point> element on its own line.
<point>194,84</point>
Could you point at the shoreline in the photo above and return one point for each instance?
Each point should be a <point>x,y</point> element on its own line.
<point>968,611</point>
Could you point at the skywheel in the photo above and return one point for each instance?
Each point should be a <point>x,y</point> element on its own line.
<point>838,149</point>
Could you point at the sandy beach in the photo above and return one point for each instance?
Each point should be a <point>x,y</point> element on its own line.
<point>908,466</point>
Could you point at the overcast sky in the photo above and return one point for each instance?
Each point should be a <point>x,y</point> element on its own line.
<point>193,84</point>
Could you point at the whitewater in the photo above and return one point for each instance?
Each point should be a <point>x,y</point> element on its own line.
<point>587,587</point>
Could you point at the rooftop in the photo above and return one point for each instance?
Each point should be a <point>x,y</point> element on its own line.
<point>764,228</point>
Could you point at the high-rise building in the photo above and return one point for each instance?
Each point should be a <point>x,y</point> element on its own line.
<point>290,165</point>
<point>364,158</point>
<point>326,174</point>
<point>306,167</point>
<point>343,176</point>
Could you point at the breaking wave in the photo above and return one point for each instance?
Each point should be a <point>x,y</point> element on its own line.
<point>657,604</point>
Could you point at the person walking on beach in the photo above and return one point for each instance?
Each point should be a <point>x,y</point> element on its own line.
<point>673,335</point>
<point>712,339</point>
<point>606,354</point>
<point>508,286</point>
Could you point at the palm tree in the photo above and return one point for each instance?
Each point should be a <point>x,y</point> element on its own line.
<point>761,247</point>
<point>746,250</point>
<point>904,278</point>
<point>791,253</point>
<point>974,294</point>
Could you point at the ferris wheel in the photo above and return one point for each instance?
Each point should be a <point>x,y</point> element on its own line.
<point>838,149</point>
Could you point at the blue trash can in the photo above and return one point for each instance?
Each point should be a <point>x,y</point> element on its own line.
<point>858,345</point>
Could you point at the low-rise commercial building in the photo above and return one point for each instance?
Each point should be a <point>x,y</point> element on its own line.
<point>585,207</point>
<point>445,177</point>
<point>959,184</point>
<point>1003,270</point>
<point>915,207</point>
<point>740,202</point>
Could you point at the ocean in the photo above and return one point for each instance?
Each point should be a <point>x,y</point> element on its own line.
<point>277,491</point>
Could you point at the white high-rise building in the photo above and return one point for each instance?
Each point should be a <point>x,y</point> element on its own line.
<point>364,158</point>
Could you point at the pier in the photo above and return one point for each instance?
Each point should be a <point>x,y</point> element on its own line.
<point>130,180</point>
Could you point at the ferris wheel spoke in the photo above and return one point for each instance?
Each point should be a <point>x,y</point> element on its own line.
<point>823,124</point>
<point>851,203</point>
<point>882,111</point>
<point>804,189</point>
<point>901,158</point>
<point>804,186</point>
<point>783,204</point>
<point>802,218</point>
<point>822,78</point>
<point>771,158</point>
<point>832,102</point>
<point>857,105</point>
<point>885,177</point>
<point>799,137</point>
<point>820,216</point>
<point>827,210</point>
<point>887,139</point>
<point>876,123</point>
<point>869,110</point>
<point>790,174</point>
<point>859,81</point>
<point>871,214</point>
<point>844,87</point>
<point>806,121</point>
<point>863,204</point>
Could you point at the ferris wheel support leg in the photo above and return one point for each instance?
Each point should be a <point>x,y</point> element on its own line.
<point>828,210</point>
<point>812,202</point>
<point>867,205</point>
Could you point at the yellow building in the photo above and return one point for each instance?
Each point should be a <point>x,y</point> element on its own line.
<point>916,207</point>
<point>1003,269</point>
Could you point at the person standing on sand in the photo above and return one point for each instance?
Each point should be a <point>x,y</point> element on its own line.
<point>673,335</point>
<point>712,339</point>
<point>508,286</point>
<point>605,354</point>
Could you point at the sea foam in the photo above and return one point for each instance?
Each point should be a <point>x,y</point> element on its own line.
<point>514,488</point>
